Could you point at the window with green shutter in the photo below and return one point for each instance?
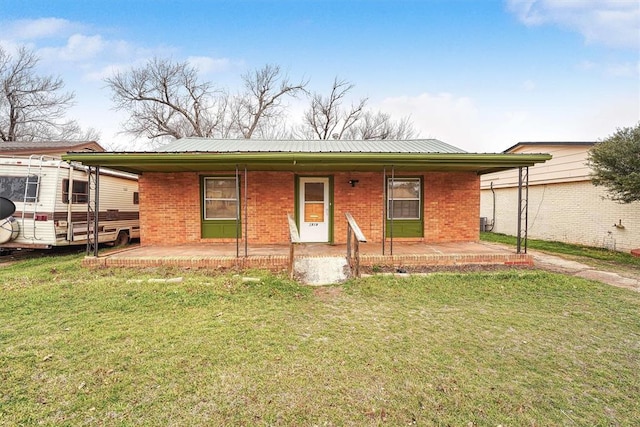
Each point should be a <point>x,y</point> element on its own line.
<point>220,207</point>
<point>404,207</point>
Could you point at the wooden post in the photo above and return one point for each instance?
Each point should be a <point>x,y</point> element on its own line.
<point>294,238</point>
<point>291,253</point>
<point>349,243</point>
<point>357,253</point>
<point>353,231</point>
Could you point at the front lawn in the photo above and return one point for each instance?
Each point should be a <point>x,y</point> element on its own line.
<point>109,347</point>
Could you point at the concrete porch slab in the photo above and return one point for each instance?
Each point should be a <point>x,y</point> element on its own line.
<point>276,257</point>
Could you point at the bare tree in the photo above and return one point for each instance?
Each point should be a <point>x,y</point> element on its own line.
<point>260,105</point>
<point>167,99</point>
<point>380,126</point>
<point>32,107</point>
<point>326,118</point>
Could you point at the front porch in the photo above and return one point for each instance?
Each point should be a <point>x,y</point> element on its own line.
<point>277,257</point>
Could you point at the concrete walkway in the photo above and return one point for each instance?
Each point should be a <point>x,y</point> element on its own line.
<point>573,268</point>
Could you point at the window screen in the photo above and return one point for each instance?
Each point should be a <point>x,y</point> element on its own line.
<point>403,198</point>
<point>220,198</point>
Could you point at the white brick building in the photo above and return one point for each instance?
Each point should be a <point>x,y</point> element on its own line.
<point>563,203</point>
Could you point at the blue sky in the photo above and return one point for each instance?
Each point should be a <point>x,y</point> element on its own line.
<point>481,75</point>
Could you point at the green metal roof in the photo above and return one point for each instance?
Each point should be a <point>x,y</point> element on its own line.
<point>206,145</point>
<point>199,154</point>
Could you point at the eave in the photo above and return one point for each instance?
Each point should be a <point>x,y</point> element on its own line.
<point>140,163</point>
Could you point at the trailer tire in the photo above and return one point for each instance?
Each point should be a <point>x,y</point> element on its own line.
<point>122,239</point>
<point>9,229</point>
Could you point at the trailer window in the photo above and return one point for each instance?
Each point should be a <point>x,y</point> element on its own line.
<point>13,188</point>
<point>79,192</point>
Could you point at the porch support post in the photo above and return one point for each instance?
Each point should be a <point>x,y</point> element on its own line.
<point>523,209</point>
<point>384,207</point>
<point>393,182</point>
<point>246,218</point>
<point>96,216</point>
<point>93,209</point>
<point>237,214</point>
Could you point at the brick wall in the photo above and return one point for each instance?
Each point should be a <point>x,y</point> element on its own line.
<point>170,206</point>
<point>452,207</point>
<point>572,212</point>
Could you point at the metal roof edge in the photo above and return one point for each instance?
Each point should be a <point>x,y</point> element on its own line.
<point>542,143</point>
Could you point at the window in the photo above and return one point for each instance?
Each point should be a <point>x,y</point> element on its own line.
<point>404,198</point>
<point>220,199</point>
<point>79,192</point>
<point>136,198</point>
<point>13,188</point>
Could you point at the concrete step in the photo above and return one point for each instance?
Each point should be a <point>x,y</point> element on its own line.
<point>321,270</point>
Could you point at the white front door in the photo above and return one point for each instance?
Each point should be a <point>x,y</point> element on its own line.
<point>314,209</point>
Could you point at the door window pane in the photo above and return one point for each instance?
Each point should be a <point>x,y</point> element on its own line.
<point>314,192</point>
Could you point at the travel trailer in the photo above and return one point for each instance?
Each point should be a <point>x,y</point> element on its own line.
<point>55,203</point>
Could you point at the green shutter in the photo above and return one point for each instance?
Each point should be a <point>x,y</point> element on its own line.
<point>222,228</point>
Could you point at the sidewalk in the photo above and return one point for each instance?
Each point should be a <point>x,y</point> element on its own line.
<point>573,268</point>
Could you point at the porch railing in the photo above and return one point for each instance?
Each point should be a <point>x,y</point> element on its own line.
<point>354,233</point>
<point>294,239</point>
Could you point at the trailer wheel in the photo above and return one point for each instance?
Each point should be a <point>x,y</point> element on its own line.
<point>122,239</point>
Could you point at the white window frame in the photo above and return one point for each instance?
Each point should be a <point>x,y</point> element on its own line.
<point>388,197</point>
<point>222,199</point>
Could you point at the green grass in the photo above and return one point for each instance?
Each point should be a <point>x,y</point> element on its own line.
<point>614,258</point>
<point>518,348</point>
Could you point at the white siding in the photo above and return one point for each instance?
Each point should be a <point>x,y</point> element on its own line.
<point>567,164</point>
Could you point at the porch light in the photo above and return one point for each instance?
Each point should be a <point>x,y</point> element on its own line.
<point>353,182</point>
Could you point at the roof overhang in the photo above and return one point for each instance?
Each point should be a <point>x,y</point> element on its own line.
<point>144,162</point>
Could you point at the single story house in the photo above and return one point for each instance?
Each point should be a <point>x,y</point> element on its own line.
<point>207,191</point>
<point>564,205</point>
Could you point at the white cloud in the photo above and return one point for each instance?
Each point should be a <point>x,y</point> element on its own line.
<point>612,69</point>
<point>207,64</point>
<point>30,29</point>
<point>622,70</point>
<point>479,125</point>
<point>452,119</point>
<point>614,23</point>
<point>78,48</point>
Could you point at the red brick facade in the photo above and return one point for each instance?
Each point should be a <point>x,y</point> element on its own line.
<point>170,206</point>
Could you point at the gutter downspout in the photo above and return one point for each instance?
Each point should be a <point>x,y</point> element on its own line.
<point>493,220</point>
